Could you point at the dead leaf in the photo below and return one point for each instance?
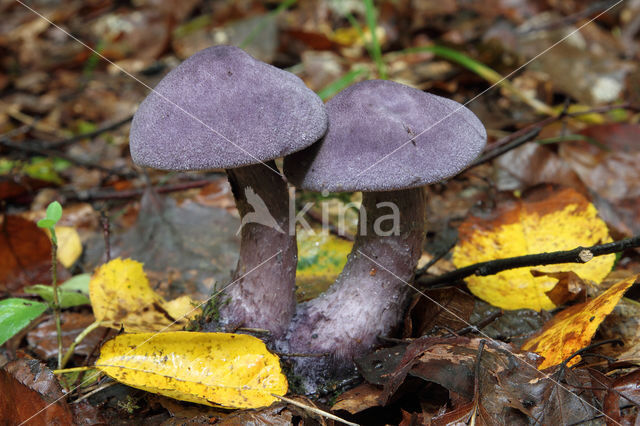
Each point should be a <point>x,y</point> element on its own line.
<point>573,328</point>
<point>122,297</point>
<point>545,221</point>
<point>448,308</point>
<point>25,255</point>
<point>30,393</point>
<point>358,399</point>
<point>43,339</point>
<point>229,370</point>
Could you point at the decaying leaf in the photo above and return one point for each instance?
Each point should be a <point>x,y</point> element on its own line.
<point>31,394</point>
<point>321,257</point>
<point>546,221</point>
<point>122,297</point>
<point>573,328</point>
<point>219,369</point>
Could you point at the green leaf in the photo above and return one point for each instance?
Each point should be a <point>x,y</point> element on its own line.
<point>46,223</point>
<point>77,283</point>
<point>54,211</point>
<point>16,314</point>
<point>43,169</point>
<point>341,83</point>
<point>67,298</point>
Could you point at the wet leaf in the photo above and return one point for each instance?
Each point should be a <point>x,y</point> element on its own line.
<point>196,245</point>
<point>321,257</point>
<point>545,221</point>
<point>358,399</point>
<point>446,308</point>
<point>43,339</point>
<point>16,314</point>
<point>30,394</point>
<point>229,370</point>
<point>573,328</point>
<point>122,297</point>
<point>611,171</point>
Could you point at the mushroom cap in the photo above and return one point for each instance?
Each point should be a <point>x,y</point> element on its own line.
<point>385,136</point>
<point>221,108</point>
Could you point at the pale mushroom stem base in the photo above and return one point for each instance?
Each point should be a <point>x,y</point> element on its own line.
<point>261,293</point>
<point>368,298</point>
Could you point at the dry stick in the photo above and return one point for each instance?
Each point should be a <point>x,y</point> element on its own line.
<point>577,255</point>
<point>314,410</point>
<point>105,195</point>
<point>436,258</point>
<point>529,133</point>
<point>90,135</point>
<point>104,218</point>
<point>74,160</point>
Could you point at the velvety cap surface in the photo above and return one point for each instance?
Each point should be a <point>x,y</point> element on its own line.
<point>384,136</point>
<point>221,108</point>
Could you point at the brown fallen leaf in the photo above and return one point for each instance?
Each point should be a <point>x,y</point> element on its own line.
<point>25,255</point>
<point>437,310</point>
<point>43,339</point>
<point>30,393</point>
<point>572,329</point>
<point>358,399</point>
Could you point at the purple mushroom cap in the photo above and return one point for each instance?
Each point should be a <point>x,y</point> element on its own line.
<point>221,108</point>
<point>385,136</point>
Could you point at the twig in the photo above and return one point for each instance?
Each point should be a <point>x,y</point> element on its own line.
<point>577,255</point>
<point>74,160</point>
<point>104,218</point>
<point>104,195</point>
<point>90,135</point>
<point>436,258</point>
<point>530,132</point>
<point>314,410</point>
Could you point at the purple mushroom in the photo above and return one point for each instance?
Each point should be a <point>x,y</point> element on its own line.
<point>223,109</point>
<point>386,140</point>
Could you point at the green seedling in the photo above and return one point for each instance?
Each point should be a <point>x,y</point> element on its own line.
<point>53,215</point>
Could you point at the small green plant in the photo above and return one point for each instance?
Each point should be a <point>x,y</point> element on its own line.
<point>53,215</point>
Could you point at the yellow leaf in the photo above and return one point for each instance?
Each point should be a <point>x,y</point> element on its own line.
<point>121,296</point>
<point>573,328</point>
<point>183,307</point>
<point>560,220</point>
<point>228,370</point>
<point>321,257</point>
<point>69,245</point>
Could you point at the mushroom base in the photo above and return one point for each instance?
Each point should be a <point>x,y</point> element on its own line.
<point>261,293</point>
<point>370,295</point>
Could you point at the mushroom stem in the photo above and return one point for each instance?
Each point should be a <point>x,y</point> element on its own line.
<point>369,296</point>
<point>261,293</point>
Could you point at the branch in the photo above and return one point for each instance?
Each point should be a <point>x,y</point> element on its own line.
<point>112,194</point>
<point>77,161</point>
<point>530,132</point>
<point>90,135</point>
<point>577,255</point>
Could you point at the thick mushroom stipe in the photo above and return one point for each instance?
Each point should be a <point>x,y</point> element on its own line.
<point>260,294</point>
<point>369,296</point>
